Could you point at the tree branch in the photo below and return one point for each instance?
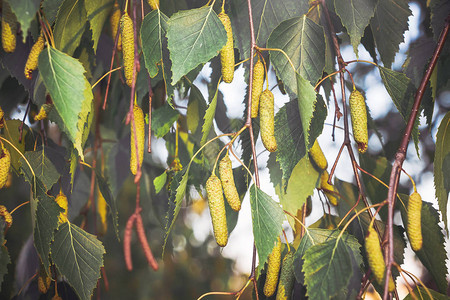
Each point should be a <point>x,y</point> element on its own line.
<point>401,154</point>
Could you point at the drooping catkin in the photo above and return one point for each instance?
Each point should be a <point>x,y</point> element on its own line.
<point>317,156</point>
<point>228,184</point>
<point>154,4</point>
<point>9,28</point>
<point>6,215</point>
<point>44,281</point>
<point>217,209</point>
<point>257,87</point>
<point>414,228</point>
<point>140,134</point>
<point>5,165</point>
<point>358,113</point>
<point>375,257</point>
<point>114,21</point>
<point>127,31</point>
<point>227,52</point>
<point>266,121</point>
<point>287,277</point>
<point>327,188</point>
<point>32,61</point>
<point>61,200</point>
<point>43,112</point>
<point>273,268</point>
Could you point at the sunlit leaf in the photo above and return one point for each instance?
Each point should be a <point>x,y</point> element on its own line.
<point>442,152</point>
<point>163,119</point>
<point>97,13</point>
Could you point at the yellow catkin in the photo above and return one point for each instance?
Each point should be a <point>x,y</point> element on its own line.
<point>43,112</point>
<point>140,132</point>
<point>273,268</point>
<point>266,121</point>
<point>287,277</point>
<point>6,215</point>
<point>375,258</point>
<point>114,21</point>
<point>126,29</point>
<point>9,180</point>
<point>102,209</point>
<point>154,4</point>
<point>327,188</point>
<point>317,156</point>
<point>61,200</point>
<point>5,165</point>
<point>44,282</point>
<point>414,228</point>
<point>2,114</point>
<point>32,61</point>
<point>217,210</point>
<point>9,28</point>
<point>358,113</point>
<point>229,187</point>
<point>227,52</point>
<point>257,87</point>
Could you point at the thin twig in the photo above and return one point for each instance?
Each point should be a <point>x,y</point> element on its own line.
<point>401,154</point>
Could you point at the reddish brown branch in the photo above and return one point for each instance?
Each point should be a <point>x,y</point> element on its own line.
<point>401,153</point>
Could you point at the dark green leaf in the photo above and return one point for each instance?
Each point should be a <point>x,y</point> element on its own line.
<point>43,168</point>
<point>78,255</point>
<point>388,26</point>
<point>194,37</point>
<point>267,218</point>
<point>12,134</point>
<point>442,151</point>
<point>163,119</point>
<point>304,42</point>
<point>196,110</point>
<point>355,16</point>
<point>421,293</point>
<point>439,11</point>
<point>70,25</point>
<point>50,8</point>
<point>110,201</point>
<point>25,11</point>
<point>209,118</point>
<point>70,91</point>
<point>97,14</point>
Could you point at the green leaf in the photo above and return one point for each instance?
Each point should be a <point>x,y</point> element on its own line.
<point>43,168</point>
<point>70,91</point>
<point>70,25</point>
<point>267,218</point>
<point>110,201</point>
<point>328,266</point>
<point>163,119</point>
<point>97,13</point>
<point>4,255</point>
<point>401,91</point>
<point>302,183</point>
<point>355,16</point>
<point>439,11</point>
<point>388,26</point>
<point>194,37</point>
<point>196,110</point>
<point>154,42</point>
<point>304,42</point>
<point>50,8</point>
<point>25,11</point>
<point>433,254</point>
<point>442,151</point>
<point>12,134</point>
<point>421,293</point>
<point>159,182</point>
<point>177,191</point>
<point>267,14</point>
<point>209,118</point>
<point>78,255</point>
<point>46,222</point>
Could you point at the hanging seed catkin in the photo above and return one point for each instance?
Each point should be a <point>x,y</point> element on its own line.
<point>43,112</point>
<point>375,258</point>
<point>217,209</point>
<point>287,277</point>
<point>9,28</point>
<point>273,268</point>
<point>5,165</point>
<point>227,52</point>
<point>327,188</point>
<point>154,4</point>
<point>414,228</point>
<point>317,156</point>
<point>140,134</point>
<point>32,61</point>
<point>114,21</point>
<point>358,113</point>
<point>6,215</point>
<point>61,200</point>
<point>257,87</point>
<point>126,29</point>
<point>266,121</point>
<point>228,184</point>
<point>44,282</point>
